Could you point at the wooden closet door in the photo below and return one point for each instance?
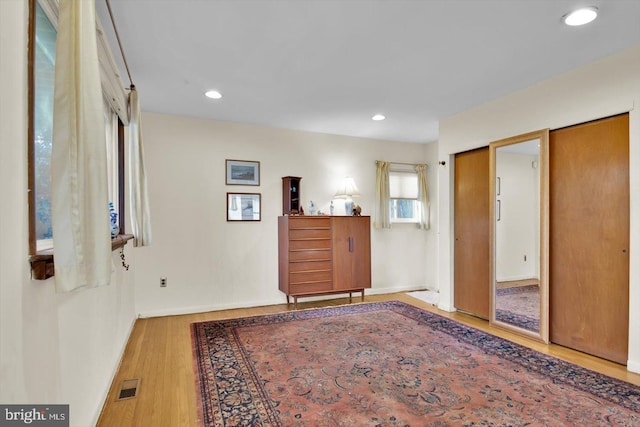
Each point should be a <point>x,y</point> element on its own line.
<point>351,252</point>
<point>471,223</point>
<point>589,237</point>
<point>361,245</point>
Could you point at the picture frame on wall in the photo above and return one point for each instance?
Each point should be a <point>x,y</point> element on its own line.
<point>242,172</point>
<point>243,206</point>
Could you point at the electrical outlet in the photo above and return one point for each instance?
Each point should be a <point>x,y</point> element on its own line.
<point>163,282</point>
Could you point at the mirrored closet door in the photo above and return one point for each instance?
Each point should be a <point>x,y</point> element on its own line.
<point>519,235</point>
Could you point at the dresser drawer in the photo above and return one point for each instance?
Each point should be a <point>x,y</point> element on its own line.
<point>311,222</point>
<point>295,267</point>
<point>307,233</point>
<point>310,255</point>
<point>310,276</point>
<point>296,245</point>
<point>309,288</point>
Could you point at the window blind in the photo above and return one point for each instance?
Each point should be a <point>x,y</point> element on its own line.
<point>403,185</point>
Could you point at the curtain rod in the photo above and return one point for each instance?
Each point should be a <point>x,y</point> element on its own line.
<point>124,58</point>
<point>406,164</point>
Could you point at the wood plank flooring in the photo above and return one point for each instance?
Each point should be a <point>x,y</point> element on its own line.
<point>159,352</point>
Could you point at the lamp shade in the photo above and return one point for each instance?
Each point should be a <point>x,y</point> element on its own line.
<point>347,189</point>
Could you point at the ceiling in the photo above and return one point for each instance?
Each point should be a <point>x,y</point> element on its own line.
<point>329,66</point>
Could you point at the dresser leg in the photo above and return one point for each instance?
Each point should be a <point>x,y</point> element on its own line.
<point>362,291</point>
<point>287,299</point>
<point>349,297</point>
<point>295,302</point>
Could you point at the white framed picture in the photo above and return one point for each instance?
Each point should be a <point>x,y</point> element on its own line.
<point>243,206</point>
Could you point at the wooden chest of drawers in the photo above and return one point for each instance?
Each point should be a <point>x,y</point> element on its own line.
<point>323,255</point>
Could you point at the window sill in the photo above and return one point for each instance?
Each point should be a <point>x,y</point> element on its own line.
<point>42,261</point>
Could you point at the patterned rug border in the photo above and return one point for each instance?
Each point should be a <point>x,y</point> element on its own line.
<point>611,389</point>
<point>200,392</point>
<point>520,320</point>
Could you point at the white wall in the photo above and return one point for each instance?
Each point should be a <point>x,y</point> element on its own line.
<point>517,230</point>
<point>603,88</point>
<point>54,348</point>
<point>213,264</point>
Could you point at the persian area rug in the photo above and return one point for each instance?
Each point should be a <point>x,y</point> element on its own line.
<point>520,306</point>
<point>391,364</point>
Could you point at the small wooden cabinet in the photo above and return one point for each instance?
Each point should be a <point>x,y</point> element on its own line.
<point>291,195</point>
<point>323,255</point>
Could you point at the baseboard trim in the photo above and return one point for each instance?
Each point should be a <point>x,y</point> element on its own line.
<point>206,308</point>
<point>116,369</point>
<point>447,307</point>
<point>633,366</point>
<point>395,289</point>
<point>271,301</point>
<point>516,278</point>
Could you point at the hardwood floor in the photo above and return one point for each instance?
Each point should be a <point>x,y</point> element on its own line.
<point>159,353</point>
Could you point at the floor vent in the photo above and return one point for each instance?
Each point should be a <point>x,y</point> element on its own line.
<point>128,389</point>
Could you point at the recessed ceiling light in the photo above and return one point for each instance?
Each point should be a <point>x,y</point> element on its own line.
<point>378,117</point>
<point>581,16</point>
<point>213,94</point>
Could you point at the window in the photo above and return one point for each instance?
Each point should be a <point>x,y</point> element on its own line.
<point>403,192</point>
<point>42,53</point>
<point>43,82</point>
<point>114,132</point>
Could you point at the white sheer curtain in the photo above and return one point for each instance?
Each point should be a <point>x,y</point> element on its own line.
<point>382,216</point>
<point>140,213</point>
<point>423,197</point>
<point>80,213</point>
